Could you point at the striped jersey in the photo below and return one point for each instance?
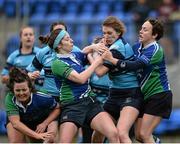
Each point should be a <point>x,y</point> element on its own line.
<point>153,78</point>
<point>121,79</point>
<point>36,111</point>
<point>17,59</point>
<point>62,67</point>
<point>43,61</point>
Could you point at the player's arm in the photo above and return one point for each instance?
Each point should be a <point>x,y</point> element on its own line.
<point>86,74</point>
<point>17,124</point>
<point>9,65</point>
<point>63,70</point>
<point>52,116</point>
<point>101,69</point>
<point>130,65</point>
<point>5,79</point>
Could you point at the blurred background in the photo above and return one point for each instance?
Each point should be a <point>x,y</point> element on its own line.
<point>83,19</point>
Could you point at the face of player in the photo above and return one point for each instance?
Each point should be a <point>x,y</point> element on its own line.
<point>27,37</point>
<point>66,44</point>
<point>109,35</point>
<point>145,34</point>
<point>59,26</point>
<point>22,92</point>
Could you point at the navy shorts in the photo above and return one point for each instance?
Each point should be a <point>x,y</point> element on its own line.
<point>120,98</point>
<point>159,105</point>
<point>80,112</point>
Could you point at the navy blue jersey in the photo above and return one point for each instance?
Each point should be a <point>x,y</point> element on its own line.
<point>62,67</point>
<point>37,110</point>
<point>153,77</point>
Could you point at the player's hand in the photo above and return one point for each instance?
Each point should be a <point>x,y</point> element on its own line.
<point>41,128</point>
<point>44,136</point>
<point>107,55</point>
<point>34,75</point>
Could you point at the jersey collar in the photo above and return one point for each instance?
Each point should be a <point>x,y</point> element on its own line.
<point>20,104</point>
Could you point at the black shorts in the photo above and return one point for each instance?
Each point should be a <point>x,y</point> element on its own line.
<point>81,112</point>
<point>159,105</point>
<point>120,98</point>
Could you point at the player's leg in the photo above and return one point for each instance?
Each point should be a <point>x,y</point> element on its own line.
<point>53,128</point>
<point>14,136</point>
<point>145,128</point>
<point>127,118</point>
<point>67,132</point>
<point>104,124</point>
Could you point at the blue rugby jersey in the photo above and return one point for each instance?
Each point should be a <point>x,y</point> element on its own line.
<point>121,79</point>
<point>153,77</point>
<point>100,82</point>
<point>62,67</point>
<point>37,110</point>
<point>43,61</point>
<point>17,59</point>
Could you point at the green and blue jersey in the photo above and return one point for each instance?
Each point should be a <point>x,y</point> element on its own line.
<point>42,62</point>
<point>153,77</point>
<point>64,64</point>
<point>37,110</point>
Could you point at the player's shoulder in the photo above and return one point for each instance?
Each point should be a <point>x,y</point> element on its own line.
<point>45,50</point>
<point>14,54</point>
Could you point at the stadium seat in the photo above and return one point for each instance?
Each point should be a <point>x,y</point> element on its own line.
<point>10,8</point>
<point>12,44</point>
<point>173,124</point>
<point>103,8</point>
<point>39,7</point>
<point>77,40</point>
<point>86,12</point>
<point>36,19</point>
<point>54,7</point>
<point>2,122</point>
<point>177,29</point>
<point>118,6</point>
<point>52,17</point>
<point>1,4</point>
<point>69,17</point>
<point>91,36</point>
<point>161,128</point>
<point>85,17</point>
<point>100,16</point>
<point>95,29</point>
<point>72,8</point>
<point>24,9</point>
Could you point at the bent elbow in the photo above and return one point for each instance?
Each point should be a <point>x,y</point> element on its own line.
<point>82,82</point>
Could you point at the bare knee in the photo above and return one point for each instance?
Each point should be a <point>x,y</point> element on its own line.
<point>143,136</point>
<point>97,137</point>
<point>113,135</point>
<point>52,138</point>
<point>123,135</point>
<point>138,137</point>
